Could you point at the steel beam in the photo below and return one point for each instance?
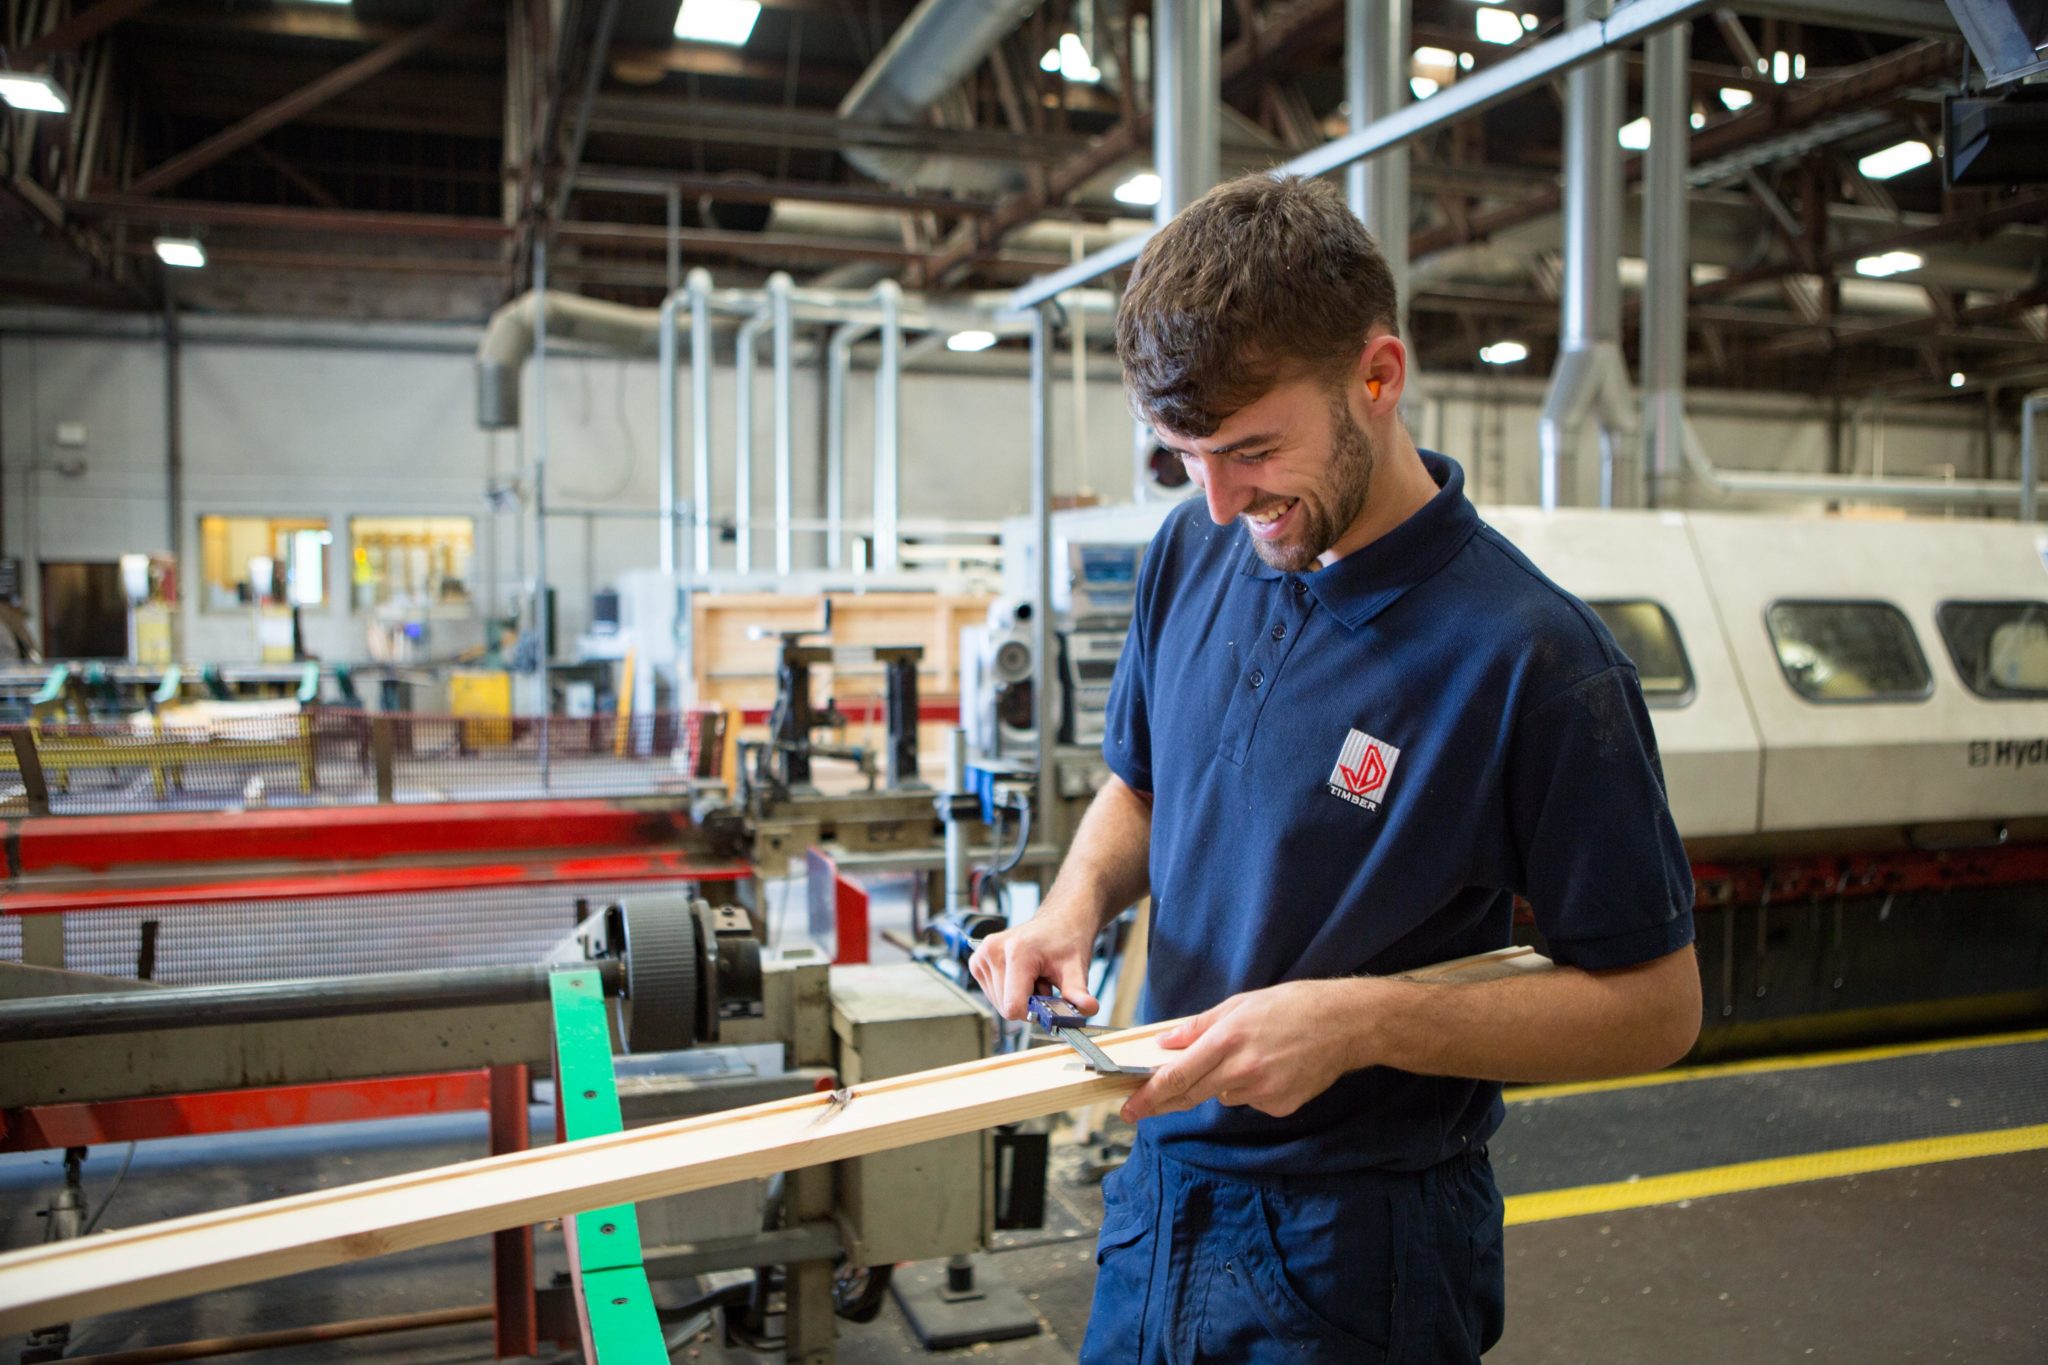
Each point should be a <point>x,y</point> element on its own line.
<point>346,78</point>
<point>81,28</point>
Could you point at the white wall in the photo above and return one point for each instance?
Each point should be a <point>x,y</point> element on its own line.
<point>339,421</point>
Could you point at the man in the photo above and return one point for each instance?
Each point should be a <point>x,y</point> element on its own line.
<point>1350,724</point>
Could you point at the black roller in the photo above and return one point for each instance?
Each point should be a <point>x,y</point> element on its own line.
<point>664,959</point>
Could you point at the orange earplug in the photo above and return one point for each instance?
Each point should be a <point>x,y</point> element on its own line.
<point>1372,386</point>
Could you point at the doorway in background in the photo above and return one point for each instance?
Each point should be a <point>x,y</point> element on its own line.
<point>85,613</point>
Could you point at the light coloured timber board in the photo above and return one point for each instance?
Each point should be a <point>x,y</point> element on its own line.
<point>209,1251</point>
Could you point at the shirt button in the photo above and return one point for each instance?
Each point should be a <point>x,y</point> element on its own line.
<point>1280,632</point>
<point>1299,587</point>
<point>1257,677</point>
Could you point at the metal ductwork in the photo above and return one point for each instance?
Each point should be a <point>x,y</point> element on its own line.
<point>508,341</point>
<point>937,46</point>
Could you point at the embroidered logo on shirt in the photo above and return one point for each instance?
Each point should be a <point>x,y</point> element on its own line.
<point>1364,767</point>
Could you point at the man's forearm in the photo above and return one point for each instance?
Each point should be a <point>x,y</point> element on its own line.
<point>1564,1024</point>
<point>1108,865</point>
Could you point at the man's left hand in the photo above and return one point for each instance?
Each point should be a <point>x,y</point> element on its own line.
<point>1272,1050</point>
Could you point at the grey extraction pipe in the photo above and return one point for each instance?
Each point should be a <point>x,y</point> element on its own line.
<point>743,438</point>
<point>781,397</point>
<point>1376,64</point>
<point>1591,377</point>
<point>1667,274</point>
<point>888,428</point>
<point>933,51</point>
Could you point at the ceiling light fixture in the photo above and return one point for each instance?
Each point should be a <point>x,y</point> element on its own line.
<point>1957,380</point>
<point>1896,159</point>
<point>970,341</point>
<point>1891,263</point>
<point>1497,26</point>
<point>1781,67</point>
<point>1071,60</point>
<point>730,22</point>
<point>1464,61</point>
<point>1698,120</point>
<point>1436,57</point>
<point>1735,99</point>
<point>1504,353</point>
<point>181,251</point>
<point>1141,189</point>
<point>1635,134</point>
<point>33,94</point>
<point>1423,86</point>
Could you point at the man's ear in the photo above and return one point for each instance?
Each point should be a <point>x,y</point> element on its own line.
<point>1382,370</point>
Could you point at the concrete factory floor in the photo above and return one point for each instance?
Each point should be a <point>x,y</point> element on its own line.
<point>1885,1205</point>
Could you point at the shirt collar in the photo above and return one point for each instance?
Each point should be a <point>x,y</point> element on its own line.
<point>1367,581</point>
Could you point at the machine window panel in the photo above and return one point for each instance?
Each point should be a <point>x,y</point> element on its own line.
<point>1849,651</point>
<point>2000,649</point>
<point>262,561</point>
<point>410,563</point>
<point>1648,635</point>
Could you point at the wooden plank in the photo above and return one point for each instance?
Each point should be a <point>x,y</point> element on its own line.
<point>205,1252</point>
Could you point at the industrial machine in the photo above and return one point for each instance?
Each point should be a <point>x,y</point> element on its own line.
<point>679,981</point>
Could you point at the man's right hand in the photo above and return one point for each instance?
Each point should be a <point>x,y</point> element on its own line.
<point>1051,946</point>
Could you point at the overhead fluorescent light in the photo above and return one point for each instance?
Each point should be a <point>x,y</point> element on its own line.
<point>1799,66</point>
<point>970,341</point>
<point>1423,86</point>
<point>1074,61</point>
<point>33,94</point>
<point>1957,380</point>
<point>1896,159</point>
<point>180,251</point>
<point>1464,61</point>
<point>1141,189</point>
<point>1634,135</point>
<point>1071,60</point>
<point>730,22</point>
<point>1497,26</point>
<point>1529,22</point>
<point>1735,98</point>
<point>1436,57</point>
<point>1891,263</point>
<point>1504,353</point>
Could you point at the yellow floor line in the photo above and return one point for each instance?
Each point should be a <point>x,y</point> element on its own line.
<point>1523,1093</point>
<point>1548,1205</point>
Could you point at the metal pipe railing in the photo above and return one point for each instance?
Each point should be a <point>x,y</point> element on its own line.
<point>743,438</point>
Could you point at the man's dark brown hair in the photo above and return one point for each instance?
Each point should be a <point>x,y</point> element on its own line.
<point>1260,281</point>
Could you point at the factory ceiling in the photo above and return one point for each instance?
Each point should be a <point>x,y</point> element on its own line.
<point>403,158</point>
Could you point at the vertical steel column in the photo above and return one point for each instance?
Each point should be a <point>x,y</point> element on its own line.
<point>888,427</point>
<point>174,457</point>
<point>666,451</point>
<point>1186,89</point>
<point>1044,661</point>
<point>781,396</point>
<point>701,363</point>
<point>542,617</point>
<point>2032,413</point>
<point>1376,59</point>
<point>1667,94</point>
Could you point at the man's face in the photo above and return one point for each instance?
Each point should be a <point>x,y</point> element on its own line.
<point>1294,466</point>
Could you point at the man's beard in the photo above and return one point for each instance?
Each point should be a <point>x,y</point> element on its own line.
<point>1327,511</point>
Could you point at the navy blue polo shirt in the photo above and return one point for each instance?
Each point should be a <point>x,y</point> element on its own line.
<point>1355,770</point>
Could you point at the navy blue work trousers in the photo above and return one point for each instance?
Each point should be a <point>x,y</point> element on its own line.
<point>1350,1269</point>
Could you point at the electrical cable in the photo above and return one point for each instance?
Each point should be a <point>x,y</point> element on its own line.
<point>112,1190</point>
